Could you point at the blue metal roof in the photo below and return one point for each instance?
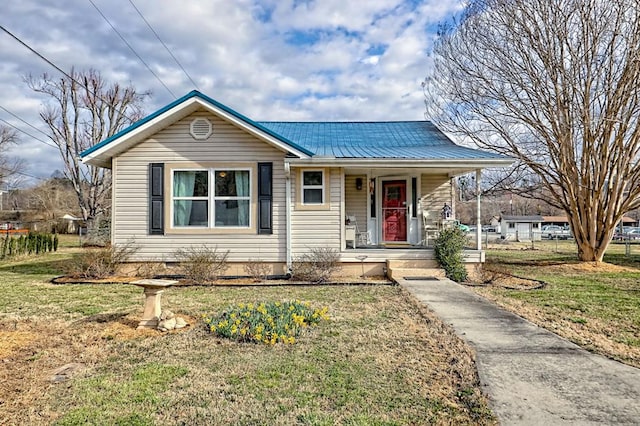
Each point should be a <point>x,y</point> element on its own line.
<point>388,139</point>
<point>393,139</point>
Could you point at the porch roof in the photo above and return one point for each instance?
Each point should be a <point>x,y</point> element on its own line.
<point>410,140</point>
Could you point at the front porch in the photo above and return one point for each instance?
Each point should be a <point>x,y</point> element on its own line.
<point>398,214</point>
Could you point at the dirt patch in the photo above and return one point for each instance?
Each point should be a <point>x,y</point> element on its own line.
<point>10,341</point>
<point>588,267</point>
<point>32,350</point>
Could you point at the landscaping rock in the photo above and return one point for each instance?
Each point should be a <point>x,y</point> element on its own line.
<point>169,321</point>
<point>181,323</point>
<point>166,314</point>
<point>167,324</point>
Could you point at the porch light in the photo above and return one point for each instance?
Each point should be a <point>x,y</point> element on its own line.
<point>359,184</point>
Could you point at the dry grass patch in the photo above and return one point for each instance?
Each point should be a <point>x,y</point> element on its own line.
<point>383,358</point>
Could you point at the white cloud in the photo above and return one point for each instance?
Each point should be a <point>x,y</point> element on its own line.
<point>267,59</point>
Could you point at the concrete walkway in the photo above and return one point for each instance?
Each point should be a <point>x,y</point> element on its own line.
<point>532,376</point>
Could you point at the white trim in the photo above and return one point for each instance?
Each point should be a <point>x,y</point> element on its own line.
<point>211,197</point>
<point>287,191</point>
<point>467,163</point>
<point>380,202</point>
<point>321,187</point>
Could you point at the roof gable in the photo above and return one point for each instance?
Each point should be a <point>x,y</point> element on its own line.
<point>102,153</point>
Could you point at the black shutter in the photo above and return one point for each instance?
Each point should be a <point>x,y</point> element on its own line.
<point>156,199</point>
<point>265,198</point>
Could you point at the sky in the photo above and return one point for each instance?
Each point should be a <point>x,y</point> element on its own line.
<point>281,60</point>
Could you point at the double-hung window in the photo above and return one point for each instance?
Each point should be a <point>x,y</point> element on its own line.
<point>312,187</point>
<point>211,198</point>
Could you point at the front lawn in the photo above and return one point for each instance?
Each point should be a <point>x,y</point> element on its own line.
<point>595,306</point>
<point>381,359</point>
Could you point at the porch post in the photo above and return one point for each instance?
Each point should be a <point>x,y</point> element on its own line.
<point>478,220</point>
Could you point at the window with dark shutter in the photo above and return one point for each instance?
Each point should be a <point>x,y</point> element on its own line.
<point>265,198</point>
<point>156,199</point>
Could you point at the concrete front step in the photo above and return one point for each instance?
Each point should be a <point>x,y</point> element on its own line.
<point>415,273</point>
<point>412,264</point>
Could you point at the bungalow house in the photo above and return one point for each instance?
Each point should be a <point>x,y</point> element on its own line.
<point>197,172</point>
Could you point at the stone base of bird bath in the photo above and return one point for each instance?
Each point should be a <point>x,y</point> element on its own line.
<point>153,290</point>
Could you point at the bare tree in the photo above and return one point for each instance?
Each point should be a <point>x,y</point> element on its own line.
<point>81,111</point>
<point>54,198</point>
<point>10,168</point>
<point>554,84</point>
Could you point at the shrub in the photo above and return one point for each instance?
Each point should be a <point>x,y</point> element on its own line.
<point>317,265</point>
<point>257,270</point>
<point>266,322</point>
<point>99,262</point>
<point>448,250</point>
<point>202,265</point>
<point>31,243</point>
<point>150,269</point>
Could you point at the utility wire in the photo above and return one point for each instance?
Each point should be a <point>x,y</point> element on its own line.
<point>22,173</point>
<point>29,134</point>
<point>28,124</point>
<point>132,49</point>
<point>164,45</point>
<point>39,55</point>
<point>60,70</point>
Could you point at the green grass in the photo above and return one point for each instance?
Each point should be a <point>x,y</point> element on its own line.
<point>597,307</point>
<point>379,360</point>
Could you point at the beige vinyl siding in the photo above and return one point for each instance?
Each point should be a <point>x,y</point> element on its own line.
<point>356,201</point>
<point>435,190</point>
<point>227,144</point>
<point>321,227</point>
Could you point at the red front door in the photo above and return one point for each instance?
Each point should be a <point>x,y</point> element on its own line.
<point>394,210</point>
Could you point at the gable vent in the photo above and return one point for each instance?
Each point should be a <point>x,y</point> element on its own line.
<point>201,128</point>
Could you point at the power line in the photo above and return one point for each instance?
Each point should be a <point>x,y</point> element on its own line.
<point>61,71</point>
<point>25,122</point>
<point>22,174</point>
<point>40,56</point>
<point>29,134</point>
<point>131,48</point>
<point>165,46</point>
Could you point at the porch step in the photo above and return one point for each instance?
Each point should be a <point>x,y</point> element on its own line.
<point>415,273</point>
<point>412,264</point>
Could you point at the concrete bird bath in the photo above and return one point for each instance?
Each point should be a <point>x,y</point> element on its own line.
<point>153,290</point>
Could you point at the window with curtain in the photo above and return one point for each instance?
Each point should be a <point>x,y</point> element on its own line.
<point>312,187</point>
<point>211,198</point>
<point>232,198</point>
<point>190,198</point>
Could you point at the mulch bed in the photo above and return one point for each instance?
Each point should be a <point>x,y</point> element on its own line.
<point>64,279</point>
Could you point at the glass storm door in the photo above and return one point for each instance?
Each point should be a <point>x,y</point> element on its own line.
<point>394,210</point>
